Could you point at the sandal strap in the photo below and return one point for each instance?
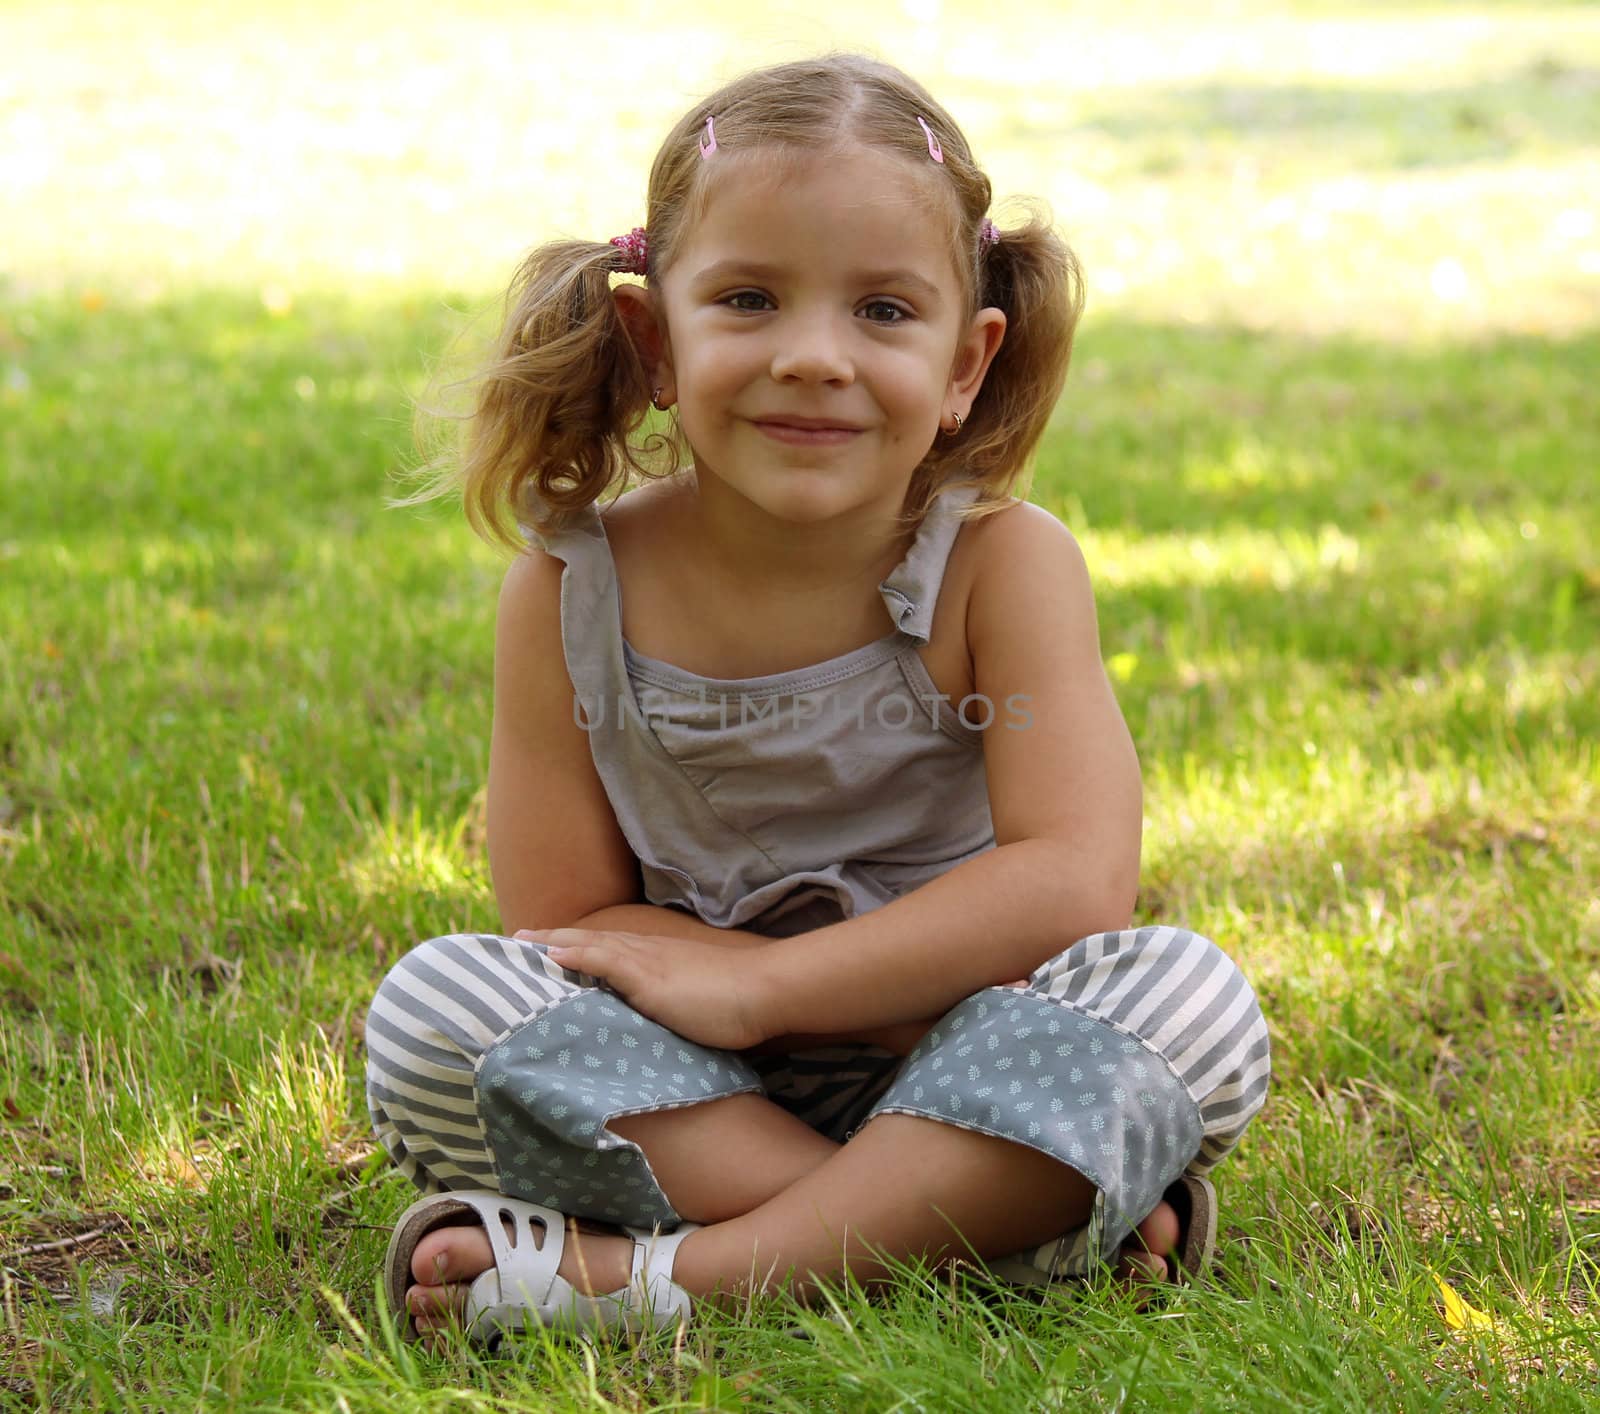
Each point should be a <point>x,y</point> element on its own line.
<point>1194,1200</point>
<point>528,1267</point>
<point>653,1298</point>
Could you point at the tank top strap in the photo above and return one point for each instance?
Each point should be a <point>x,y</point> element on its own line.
<point>911,592</point>
<point>591,624</point>
<point>571,532</point>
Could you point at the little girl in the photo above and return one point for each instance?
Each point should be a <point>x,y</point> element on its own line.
<point>802,754</point>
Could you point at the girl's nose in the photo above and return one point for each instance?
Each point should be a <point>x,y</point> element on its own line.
<point>812,351</point>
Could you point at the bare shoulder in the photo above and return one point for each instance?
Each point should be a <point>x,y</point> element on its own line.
<point>1020,526</point>
<point>530,656</point>
<point>532,585</point>
<point>993,573</point>
<point>531,590</point>
<point>1023,558</point>
<point>532,686</point>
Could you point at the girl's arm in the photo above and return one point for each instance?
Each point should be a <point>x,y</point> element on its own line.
<point>555,850</point>
<point>1065,798</point>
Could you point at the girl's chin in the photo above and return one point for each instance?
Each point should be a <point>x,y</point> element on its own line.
<point>811,500</point>
<point>801,491</point>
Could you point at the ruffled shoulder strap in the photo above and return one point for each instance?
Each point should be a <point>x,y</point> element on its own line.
<point>911,591</point>
<point>584,524</point>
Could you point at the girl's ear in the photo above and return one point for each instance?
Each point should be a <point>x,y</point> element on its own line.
<point>974,354</point>
<point>639,309</point>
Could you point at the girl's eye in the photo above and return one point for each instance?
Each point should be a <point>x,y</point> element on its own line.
<point>747,301</point>
<point>881,311</point>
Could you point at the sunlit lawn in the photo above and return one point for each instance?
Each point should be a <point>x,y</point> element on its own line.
<point>1331,445</point>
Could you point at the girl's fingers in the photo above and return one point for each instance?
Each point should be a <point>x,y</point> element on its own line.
<point>591,960</point>
<point>589,947</point>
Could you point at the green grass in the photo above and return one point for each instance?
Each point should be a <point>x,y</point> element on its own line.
<point>1347,550</point>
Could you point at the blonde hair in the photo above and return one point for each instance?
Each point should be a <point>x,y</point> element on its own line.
<point>558,412</point>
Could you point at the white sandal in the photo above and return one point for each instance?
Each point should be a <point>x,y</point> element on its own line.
<point>523,1287</point>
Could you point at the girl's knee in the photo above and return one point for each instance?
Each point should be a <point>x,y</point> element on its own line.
<point>464,989</point>
<point>1187,1001</point>
<point>467,961</point>
<point>425,957</point>
<point>448,1000</point>
<point>1147,949</point>
<point>1142,977</point>
<point>441,1014</point>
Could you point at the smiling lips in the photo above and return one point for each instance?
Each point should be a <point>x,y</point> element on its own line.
<point>806,431</point>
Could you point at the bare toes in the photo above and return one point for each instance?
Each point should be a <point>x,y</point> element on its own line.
<point>1142,1267</point>
<point>1143,1259</point>
<point>1158,1233</point>
<point>443,1301</point>
<point>451,1254</point>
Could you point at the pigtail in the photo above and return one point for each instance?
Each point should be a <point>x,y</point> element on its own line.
<point>553,417</point>
<point>550,432</point>
<point>1032,276</point>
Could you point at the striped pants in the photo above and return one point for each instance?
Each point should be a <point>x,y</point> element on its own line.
<point>1131,1057</point>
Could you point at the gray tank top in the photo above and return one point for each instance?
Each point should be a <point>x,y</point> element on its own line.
<point>787,802</point>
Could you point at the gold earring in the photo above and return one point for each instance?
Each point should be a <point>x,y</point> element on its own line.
<point>655,401</point>
<point>956,430</point>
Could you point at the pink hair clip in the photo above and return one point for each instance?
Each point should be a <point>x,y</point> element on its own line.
<point>934,150</point>
<point>708,144</point>
<point>635,248</point>
<point>988,233</point>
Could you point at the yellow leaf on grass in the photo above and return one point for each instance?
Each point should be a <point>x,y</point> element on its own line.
<point>1458,1315</point>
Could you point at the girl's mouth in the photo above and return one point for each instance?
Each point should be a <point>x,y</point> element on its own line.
<point>798,434</point>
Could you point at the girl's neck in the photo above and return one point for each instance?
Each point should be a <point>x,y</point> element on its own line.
<point>755,553</point>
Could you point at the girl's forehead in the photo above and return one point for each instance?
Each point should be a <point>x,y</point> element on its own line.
<point>860,199</point>
<point>844,165</point>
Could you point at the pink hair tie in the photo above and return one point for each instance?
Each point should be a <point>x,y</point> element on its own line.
<point>934,150</point>
<point>708,144</point>
<point>635,248</point>
<point>988,233</point>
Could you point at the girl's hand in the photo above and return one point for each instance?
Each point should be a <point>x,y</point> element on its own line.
<point>717,996</point>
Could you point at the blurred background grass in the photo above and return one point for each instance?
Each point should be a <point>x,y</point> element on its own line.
<point>1391,169</point>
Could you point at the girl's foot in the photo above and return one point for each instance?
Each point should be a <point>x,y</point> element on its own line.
<point>1147,1252</point>
<point>596,1261</point>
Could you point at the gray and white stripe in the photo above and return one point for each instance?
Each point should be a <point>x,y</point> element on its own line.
<point>441,1007</point>
<point>1185,999</point>
<point>450,1000</point>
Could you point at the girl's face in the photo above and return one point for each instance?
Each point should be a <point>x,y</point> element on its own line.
<point>817,333</point>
